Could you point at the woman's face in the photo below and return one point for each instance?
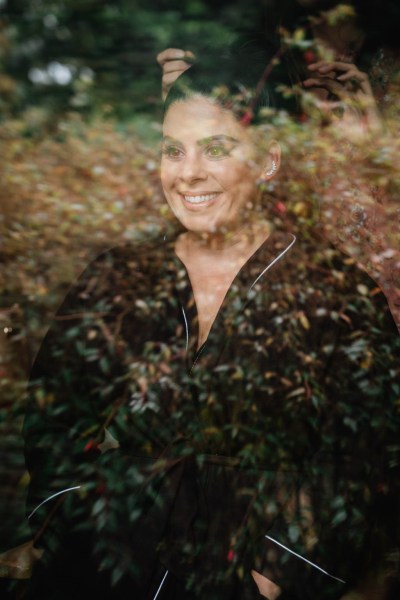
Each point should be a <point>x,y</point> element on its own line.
<point>208,168</point>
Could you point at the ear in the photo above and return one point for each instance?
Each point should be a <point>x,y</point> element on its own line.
<point>272,162</point>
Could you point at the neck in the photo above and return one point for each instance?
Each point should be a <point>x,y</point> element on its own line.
<point>213,250</point>
<point>240,238</point>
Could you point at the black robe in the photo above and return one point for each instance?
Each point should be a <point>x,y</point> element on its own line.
<point>274,447</point>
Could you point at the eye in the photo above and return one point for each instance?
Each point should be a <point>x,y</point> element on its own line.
<point>172,152</point>
<point>217,151</point>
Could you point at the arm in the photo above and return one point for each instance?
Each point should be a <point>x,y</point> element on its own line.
<point>351,376</point>
<point>75,382</point>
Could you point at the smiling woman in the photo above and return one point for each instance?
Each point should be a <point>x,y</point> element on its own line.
<point>208,169</point>
<point>209,415</point>
<point>211,173</point>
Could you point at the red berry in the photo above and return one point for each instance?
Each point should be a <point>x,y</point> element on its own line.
<point>90,445</point>
<point>246,119</point>
<point>309,57</point>
<point>280,207</point>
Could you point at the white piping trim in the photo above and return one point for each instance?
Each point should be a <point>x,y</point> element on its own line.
<point>305,559</point>
<point>271,264</point>
<point>76,487</point>
<point>161,584</point>
<point>186,327</point>
<point>199,353</point>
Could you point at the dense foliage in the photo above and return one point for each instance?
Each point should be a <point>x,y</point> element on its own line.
<point>80,106</point>
<point>130,420</point>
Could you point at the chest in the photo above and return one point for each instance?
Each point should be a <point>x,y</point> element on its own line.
<point>209,292</point>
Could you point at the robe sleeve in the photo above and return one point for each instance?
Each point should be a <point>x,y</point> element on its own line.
<point>347,537</point>
<point>76,380</point>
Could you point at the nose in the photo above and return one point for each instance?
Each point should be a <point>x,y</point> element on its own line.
<point>192,168</point>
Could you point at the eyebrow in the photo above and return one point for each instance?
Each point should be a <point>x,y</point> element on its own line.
<point>206,140</point>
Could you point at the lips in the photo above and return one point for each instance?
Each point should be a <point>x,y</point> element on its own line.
<point>204,199</point>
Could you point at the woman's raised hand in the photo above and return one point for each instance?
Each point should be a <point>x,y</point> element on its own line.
<point>173,62</point>
<point>347,89</point>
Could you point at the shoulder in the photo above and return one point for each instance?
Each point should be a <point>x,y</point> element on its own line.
<point>122,271</point>
<point>324,281</point>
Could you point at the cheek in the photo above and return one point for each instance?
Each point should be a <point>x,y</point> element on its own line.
<point>167,174</point>
<point>244,176</point>
<point>229,173</point>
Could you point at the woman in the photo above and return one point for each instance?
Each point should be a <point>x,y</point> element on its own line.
<point>202,409</point>
<point>351,220</point>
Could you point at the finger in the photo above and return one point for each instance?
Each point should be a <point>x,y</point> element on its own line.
<point>171,71</point>
<point>336,94</point>
<point>175,65</point>
<point>326,72</point>
<point>350,72</point>
<point>338,65</point>
<point>359,78</point>
<point>324,66</point>
<point>169,78</point>
<point>170,54</point>
<point>331,85</point>
<point>189,55</point>
<point>354,74</point>
<point>318,65</point>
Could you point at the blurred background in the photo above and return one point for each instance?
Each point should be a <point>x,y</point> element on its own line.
<point>80,110</point>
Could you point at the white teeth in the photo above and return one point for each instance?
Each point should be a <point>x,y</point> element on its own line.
<point>199,199</point>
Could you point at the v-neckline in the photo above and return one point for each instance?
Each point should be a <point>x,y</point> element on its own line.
<point>241,285</point>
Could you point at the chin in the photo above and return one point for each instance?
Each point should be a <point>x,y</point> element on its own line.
<point>201,225</point>
<point>208,228</point>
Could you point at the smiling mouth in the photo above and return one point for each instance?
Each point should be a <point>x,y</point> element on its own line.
<point>199,198</point>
